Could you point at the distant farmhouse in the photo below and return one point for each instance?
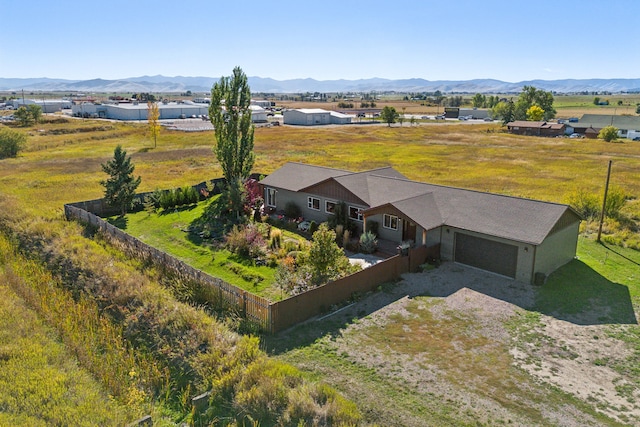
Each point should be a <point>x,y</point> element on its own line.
<point>523,127</point>
<point>314,117</point>
<point>519,238</point>
<point>628,126</point>
<point>589,126</point>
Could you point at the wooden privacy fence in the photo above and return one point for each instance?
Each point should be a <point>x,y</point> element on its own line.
<point>218,292</point>
<point>272,317</point>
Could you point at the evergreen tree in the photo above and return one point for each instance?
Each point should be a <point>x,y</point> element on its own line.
<point>120,187</point>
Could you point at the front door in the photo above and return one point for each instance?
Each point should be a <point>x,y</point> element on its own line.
<point>408,230</point>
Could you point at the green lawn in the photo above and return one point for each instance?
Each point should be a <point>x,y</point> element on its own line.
<point>603,280</point>
<point>169,232</point>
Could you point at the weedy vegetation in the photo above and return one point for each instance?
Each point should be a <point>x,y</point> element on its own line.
<point>151,352</point>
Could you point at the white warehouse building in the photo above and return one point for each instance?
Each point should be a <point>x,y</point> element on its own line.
<point>139,111</point>
<point>314,116</point>
<point>47,105</point>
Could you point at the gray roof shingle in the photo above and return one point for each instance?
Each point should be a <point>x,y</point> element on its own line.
<point>296,176</point>
<point>431,206</point>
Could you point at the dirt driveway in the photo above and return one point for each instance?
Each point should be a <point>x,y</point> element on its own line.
<point>470,338</point>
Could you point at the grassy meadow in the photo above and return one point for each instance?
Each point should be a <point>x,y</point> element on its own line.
<point>61,164</point>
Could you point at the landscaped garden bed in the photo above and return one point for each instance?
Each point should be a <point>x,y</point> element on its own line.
<point>264,257</point>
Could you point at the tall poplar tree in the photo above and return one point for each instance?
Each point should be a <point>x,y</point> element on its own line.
<point>231,117</point>
<point>120,187</point>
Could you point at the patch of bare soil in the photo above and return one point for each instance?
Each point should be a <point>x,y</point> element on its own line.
<point>574,358</point>
<point>542,355</point>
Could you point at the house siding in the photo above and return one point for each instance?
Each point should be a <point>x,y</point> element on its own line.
<point>557,249</point>
<point>386,233</point>
<point>332,191</point>
<point>301,200</point>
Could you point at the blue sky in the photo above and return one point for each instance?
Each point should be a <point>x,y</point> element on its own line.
<point>510,40</point>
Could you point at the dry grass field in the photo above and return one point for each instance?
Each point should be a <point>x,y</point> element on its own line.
<point>363,352</point>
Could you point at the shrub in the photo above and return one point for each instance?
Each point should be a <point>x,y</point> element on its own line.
<point>168,199</point>
<point>346,239</point>
<point>608,133</point>
<point>245,241</point>
<point>291,210</point>
<point>178,196</point>
<point>585,203</point>
<point>373,227</point>
<point>11,142</point>
<point>616,198</point>
<point>189,195</point>
<point>339,233</point>
<point>290,245</point>
<point>368,242</point>
<point>313,227</point>
<point>589,205</point>
<point>341,217</point>
<point>275,239</point>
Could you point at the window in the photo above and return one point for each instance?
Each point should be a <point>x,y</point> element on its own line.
<point>329,207</point>
<point>390,221</point>
<point>313,203</point>
<point>271,197</point>
<point>355,213</point>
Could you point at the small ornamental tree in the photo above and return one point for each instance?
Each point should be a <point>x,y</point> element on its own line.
<point>11,142</point>
<point>608,133</point>
<point>120,187</point>
<point>325,260</point>
<point>153,115</point>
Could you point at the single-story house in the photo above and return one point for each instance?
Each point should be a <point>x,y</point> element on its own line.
<point>625,124</point>
<point>524,127</point>
<point>510,236</point>
<point>314,116</point>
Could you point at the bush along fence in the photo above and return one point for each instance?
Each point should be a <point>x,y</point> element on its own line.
<point>272,317</point>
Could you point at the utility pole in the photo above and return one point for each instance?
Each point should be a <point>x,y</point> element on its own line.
<point>604,201</point>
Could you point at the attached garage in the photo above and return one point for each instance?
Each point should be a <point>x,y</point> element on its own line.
<point>490,255</point>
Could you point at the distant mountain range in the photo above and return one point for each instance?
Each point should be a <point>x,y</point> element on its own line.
<point>162,84</point>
